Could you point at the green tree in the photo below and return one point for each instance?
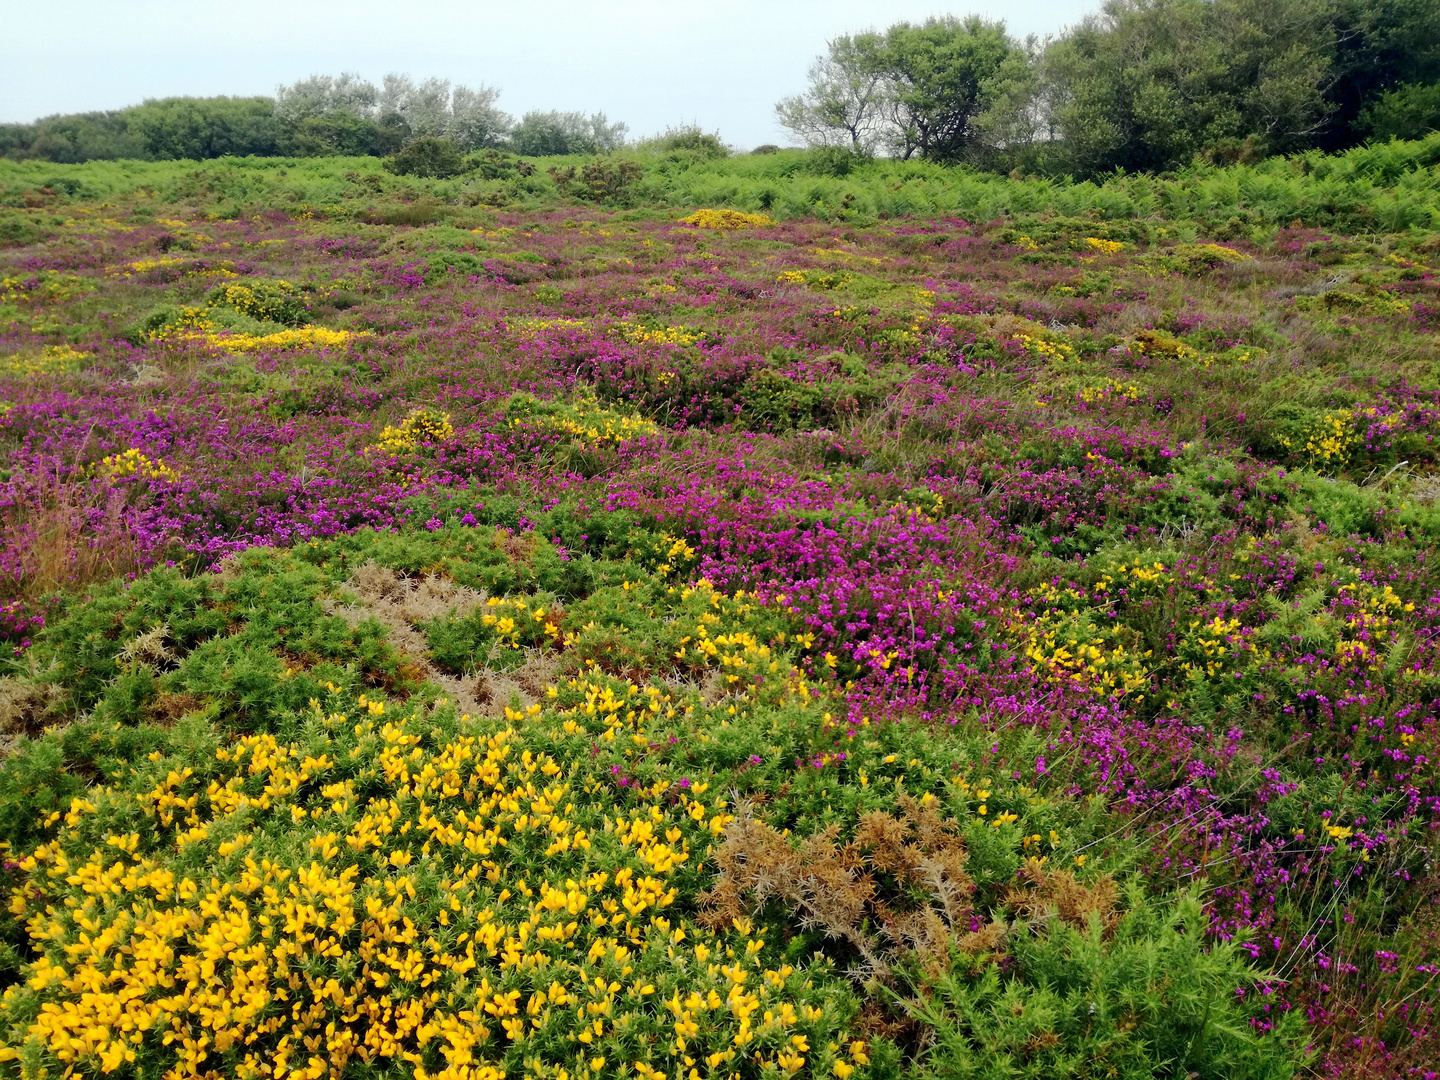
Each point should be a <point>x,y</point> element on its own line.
<point>1380,46</point>
<point>73,138</point>
<point>430,157</point>
<point>931,89</point>
<point>339,132</point>
<point>200,128</point>
<point>549,134</point>
<point>1412,112</point>
<point>846,102</point>
<point>476,123</point>
<point>944,75</point>
<point>1147,84</point>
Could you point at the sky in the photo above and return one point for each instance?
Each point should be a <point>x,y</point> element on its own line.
<point>650,63</point>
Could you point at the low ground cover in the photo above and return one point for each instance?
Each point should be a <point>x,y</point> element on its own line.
<point>584,641</point>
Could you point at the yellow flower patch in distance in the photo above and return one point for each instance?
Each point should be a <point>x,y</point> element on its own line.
<point>1110,390</point>
<point>300,338</point>
<point>185,266</point>
<point>727,219</point>
<point>1105,247</point>
<point>848,256</point>
<point>583,420</point>
<point>637,334</point>
<point>533,326</point>
<point>44,289</point>
<point>51,360</point>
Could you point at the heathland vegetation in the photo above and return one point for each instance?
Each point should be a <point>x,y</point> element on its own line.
<point>484,608</point>
<point>487,624</point>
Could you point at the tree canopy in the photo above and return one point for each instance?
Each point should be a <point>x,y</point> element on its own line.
<point>323,114</point>
<point>1143,85</point>
<point>922,88</point>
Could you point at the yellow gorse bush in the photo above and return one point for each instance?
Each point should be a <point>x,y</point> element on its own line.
<point>637,334</point>
<point>51,360</point>
<point>851,256</point>
<point>188,323</point>
<point>300,338</point>
<point>145,266</point>
<point>420,428</point>
<point>1062,638</point>
<point>584,419</point>
<point>466,905</point>
<point>1044,348</point>
<point>727,219</point>
<point>1110,390</point>
<point>134,463</point>
<point>1210,251</point>
<point>1328,442</point>
<point>256,303</point>
<point>224,270</point>
<point>538,325</point>
<point>818,279</point>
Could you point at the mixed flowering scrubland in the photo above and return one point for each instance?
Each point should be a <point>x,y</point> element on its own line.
<point>572,642</point>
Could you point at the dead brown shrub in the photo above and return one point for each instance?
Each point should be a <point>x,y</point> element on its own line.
<point>858,892</point>
<point>1059,894</point>
<point>401,604</point>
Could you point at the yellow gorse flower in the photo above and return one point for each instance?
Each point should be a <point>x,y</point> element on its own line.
<point>51,360</point>
<point>1045,348</point>
<point>190,321</point>
<point>1110,390</point>
<point>435,900</point>
<point>422,427</point>
<point>637,334</point>
<point>726,219</point>
<point>1105,247</point>
<point>1329,441</point>
<point>134,463</point>
<point>299,338</point>
<point>586,420</point>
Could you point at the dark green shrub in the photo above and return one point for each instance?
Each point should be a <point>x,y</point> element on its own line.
<point>495,165</point>
<point>17,229</point>
<point>424,211</point>
<point>459,263</point>
<point>436,159</point>
<point>688,138</point>
<point>1411,112</point>
<point>597,180</point>
<point>1083,994</point>
<point>831,161</point>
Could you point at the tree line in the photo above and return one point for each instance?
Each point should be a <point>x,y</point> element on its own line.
<point>1142,85</point>
<point>314,117</point>
<point>1139,86</point>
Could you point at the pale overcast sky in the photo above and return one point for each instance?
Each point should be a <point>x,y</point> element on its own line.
<point>649,63</point>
